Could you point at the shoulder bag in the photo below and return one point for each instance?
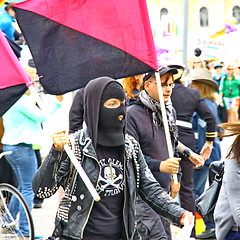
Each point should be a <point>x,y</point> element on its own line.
<point>207,201</point>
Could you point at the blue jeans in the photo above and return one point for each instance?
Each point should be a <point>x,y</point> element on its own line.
<point>232,235</point>
<point>199,179</point>
<point>24,164</point>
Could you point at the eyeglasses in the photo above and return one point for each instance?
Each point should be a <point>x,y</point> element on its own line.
<point>230,69</point>
<point>172,85</point>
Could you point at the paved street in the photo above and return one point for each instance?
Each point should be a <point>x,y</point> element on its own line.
<point>44,217</point>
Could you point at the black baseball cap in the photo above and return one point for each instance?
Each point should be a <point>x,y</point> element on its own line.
<point>162,71</point>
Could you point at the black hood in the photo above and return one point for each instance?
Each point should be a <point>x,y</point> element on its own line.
<point>92,102</point>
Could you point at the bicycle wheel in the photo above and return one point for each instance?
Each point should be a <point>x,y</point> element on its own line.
<point>12,219</point>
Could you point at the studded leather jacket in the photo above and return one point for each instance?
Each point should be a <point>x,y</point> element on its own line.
<point>77,202</point>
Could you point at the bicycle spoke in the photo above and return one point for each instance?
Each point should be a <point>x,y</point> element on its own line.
<point>15,218</point>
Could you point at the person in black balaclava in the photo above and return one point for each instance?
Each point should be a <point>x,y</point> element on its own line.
<point>114,164</point>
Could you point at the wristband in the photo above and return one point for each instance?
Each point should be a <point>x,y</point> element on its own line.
<point>186,152</point>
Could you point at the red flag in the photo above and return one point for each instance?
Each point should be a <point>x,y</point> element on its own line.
<point>13,78</point>
<point>75,41</point>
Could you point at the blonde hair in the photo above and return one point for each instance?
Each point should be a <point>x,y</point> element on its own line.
<point>196,59</point>
<point>205,90</point>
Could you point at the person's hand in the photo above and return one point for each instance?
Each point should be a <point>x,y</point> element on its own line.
<point>206,150</point>
<point>196,159</point>
<point>171,165</point>
<point>59,140</point>
<point>174,189</point>
<point>189,216</point>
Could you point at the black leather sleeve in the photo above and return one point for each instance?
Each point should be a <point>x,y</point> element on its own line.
<point>51,174</point>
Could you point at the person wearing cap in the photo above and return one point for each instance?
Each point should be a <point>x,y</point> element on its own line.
<point>229,91</point>
<point>145,124</point>
<point>207,87</point>
<point>113,162</point>
<point>218,73</point>
<point>186,101</point>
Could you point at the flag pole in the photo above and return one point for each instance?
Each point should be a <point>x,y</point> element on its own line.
<point>165,122</point>
<point>67,149</point>
<point>82,173</point>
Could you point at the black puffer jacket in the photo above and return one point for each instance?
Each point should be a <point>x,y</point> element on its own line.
<point>77,203</point>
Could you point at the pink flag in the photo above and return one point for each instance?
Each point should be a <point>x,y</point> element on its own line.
<point>13,78</point>
<point>11,71</point>
<point>73,41</point>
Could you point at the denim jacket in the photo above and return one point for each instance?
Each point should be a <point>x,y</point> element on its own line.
<point>77,202</point>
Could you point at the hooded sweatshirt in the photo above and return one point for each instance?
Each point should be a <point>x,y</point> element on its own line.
<point>106,215</point>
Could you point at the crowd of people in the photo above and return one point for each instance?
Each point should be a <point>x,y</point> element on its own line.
<point>121,141</point>
<point>228,79</point>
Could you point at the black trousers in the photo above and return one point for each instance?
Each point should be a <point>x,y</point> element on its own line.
<point>186,196</point>
<point>149,224</point>
<point>186,191</point>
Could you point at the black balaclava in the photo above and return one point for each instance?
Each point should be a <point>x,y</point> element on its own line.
<point>93,102</point>
<point>110,128</point>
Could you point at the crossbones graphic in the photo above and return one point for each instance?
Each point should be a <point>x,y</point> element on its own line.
<point>110,179</point>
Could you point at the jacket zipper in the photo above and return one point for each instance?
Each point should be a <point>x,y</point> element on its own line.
<point>84,225</point>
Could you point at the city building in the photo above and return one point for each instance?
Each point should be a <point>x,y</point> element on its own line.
<point>212,25</point>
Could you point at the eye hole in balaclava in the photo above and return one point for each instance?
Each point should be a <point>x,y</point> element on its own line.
<point>110,127</point>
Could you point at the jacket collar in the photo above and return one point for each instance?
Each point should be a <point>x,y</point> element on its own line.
<point>86,142</point>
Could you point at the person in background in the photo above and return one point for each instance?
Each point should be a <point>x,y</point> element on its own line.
<point>186,101</point>
<point>196,62</point>
<point>145,124</point>
<point>209,65</point>
<point>237,72</point>
<point>219,74</point>
<point>32,73</point>
<point>227,210</point>
<point>229,92</point>
<point>76,112</point>
<point>131,86</point>
<point>114,164</point>
<point>22,129</point>
<point>207,89</point>
<point>7,18</point>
